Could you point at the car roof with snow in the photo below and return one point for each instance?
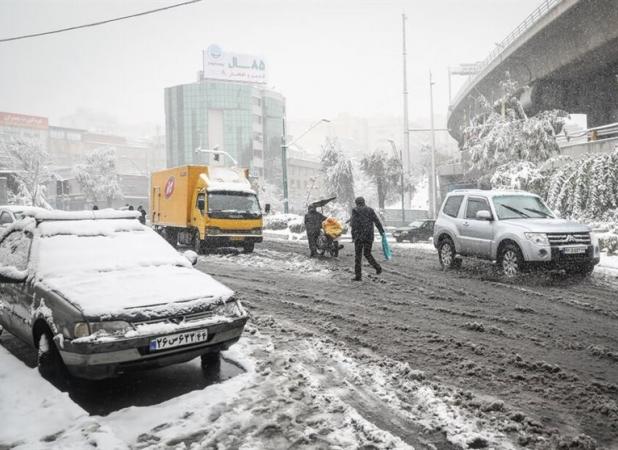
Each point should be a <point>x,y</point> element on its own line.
<point>44,215</point>
<point>490,193</point>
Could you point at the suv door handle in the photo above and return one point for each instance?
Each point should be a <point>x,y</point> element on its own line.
<point>466,224</point>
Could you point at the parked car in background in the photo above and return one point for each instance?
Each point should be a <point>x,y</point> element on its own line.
<point>11,213</point>
<point>419,230</point>
<point>98,294</point>
<point>514,228</point>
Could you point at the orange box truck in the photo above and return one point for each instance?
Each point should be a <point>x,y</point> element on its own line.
<point>206,206</point>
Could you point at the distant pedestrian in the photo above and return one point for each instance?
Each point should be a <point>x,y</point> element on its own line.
<point>362,221</point>
<point>313,225</point>
<point>95,208</point>
<point>142,217</point>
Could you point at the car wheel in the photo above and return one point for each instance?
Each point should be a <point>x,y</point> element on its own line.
<point>248,248</point>
<point>511,261</point>
<point>446,254</point>
<point>50,364</point>
<point>211,359</point>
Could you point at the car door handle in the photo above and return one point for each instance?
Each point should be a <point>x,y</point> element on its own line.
<point>466,224</point>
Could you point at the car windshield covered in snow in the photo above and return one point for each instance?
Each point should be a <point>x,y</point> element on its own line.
<point>67,247</point>
<point>244,203</point>
<point>521,207</point>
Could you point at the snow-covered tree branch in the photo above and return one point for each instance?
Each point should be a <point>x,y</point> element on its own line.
<point>98,177</point>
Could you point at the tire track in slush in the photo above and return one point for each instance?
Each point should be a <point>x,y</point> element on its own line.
<point>463,328</point>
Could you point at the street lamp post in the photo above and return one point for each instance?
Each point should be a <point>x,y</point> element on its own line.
<point>433,151</point>
<point>284,159</point>
<point>403,205</point>
<point>216,151</point>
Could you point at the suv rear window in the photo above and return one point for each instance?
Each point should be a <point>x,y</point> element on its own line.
<point>452,204</point>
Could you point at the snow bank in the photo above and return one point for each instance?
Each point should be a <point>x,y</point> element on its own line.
<point>30,407</point>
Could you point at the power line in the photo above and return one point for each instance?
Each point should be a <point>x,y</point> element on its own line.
<point>102,22</point>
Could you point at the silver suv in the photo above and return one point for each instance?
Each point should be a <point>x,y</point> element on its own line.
<point>514,228</point>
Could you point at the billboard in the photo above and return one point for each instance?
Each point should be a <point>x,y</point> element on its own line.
<point>227,66</point>
<point>22,121</point>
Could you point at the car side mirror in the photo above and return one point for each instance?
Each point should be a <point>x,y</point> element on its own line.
<point>484,215</point>
<point>191,256</point>
<point>267,208</point>
<point>201,204</point>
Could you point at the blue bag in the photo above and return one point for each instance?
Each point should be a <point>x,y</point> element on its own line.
<point>386,249</point>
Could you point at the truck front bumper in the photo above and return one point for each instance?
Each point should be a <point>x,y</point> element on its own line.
<point>231,240</point>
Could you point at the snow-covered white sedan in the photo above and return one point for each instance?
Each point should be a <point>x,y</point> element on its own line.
<point>99,294</point>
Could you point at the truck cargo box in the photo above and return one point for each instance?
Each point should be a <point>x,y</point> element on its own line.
<point>171,194</point>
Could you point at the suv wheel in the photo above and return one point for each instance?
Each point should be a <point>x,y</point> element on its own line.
<point>446,254</point>
<point>511,261</point>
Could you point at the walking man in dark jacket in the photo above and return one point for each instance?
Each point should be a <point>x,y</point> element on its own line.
<point>362,222</point>
<point>313,225</point>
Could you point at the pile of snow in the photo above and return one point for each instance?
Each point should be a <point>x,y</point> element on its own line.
<point>279,221</point>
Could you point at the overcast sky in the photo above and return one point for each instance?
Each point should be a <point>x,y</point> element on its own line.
<point>325,56</point>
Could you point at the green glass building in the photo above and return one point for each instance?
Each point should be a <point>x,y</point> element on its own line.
<point>243,119</point>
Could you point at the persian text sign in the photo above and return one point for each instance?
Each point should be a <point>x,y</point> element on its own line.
<point>23,121</point>
<point>221,65</point>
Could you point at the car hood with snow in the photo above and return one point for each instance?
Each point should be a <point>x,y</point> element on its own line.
<point>134,268</point>
<point>548,225</point>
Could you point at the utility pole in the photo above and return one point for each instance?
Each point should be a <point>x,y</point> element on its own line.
<point>433,151</point>
<point>284,167</point>
<point>403,206</point>
<point>406,126</point>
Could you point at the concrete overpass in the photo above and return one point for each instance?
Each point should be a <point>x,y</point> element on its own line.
<point>566,52</point>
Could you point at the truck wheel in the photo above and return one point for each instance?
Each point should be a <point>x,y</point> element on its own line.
<point>198,244</point>
<point>171,236</point>
<point>511,261</point>
<point>50,364</point>
<point>248,248</point>
<point>446,254</point>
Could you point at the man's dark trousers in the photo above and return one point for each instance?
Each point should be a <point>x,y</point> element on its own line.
<point>312,237</point>
<point>363,248</point>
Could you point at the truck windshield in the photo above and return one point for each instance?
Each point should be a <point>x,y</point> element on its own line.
<point>521,207</point>
<point>225,203</point>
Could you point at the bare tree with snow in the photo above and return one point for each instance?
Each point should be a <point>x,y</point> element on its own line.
<point>337,171</point>
<point>98,177</point>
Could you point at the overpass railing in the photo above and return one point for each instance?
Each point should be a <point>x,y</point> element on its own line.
<point>609,131</point>
<point>524,26</point>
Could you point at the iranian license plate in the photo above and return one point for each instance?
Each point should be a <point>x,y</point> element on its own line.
<point>236,238</point>
<point>178,339</point>
<point>574,250</point>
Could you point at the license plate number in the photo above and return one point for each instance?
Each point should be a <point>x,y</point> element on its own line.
<point>236,238</point>
<point>178,339</point>
<point>574,250</point>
